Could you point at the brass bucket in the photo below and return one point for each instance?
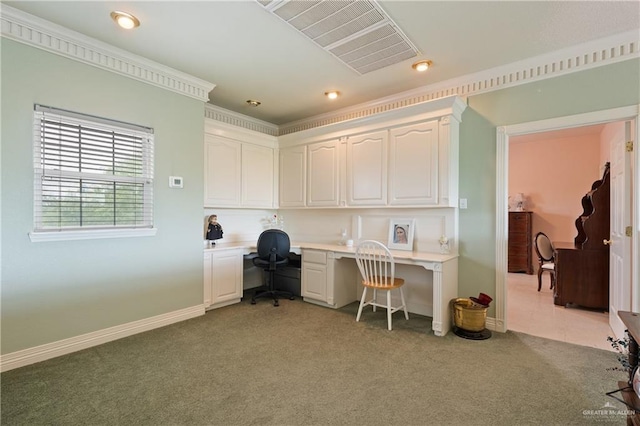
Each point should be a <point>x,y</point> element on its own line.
<point>469,315</point>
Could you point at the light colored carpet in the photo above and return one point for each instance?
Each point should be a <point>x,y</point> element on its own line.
<point>301,364</point>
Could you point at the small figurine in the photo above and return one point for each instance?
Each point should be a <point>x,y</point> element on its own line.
<point>444,244</point>
<point>214,229</point>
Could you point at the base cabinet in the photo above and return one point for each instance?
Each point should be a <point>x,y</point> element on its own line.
<point>328,281</point>
<point>222,278</point>
<point>315,279</point>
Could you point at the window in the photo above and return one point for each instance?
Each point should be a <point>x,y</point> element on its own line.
<point>93,177</point>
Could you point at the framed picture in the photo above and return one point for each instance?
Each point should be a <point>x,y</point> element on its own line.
<point>401,234</point>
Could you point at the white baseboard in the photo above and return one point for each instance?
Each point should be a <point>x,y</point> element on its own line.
<point>95,338</point>
<point>495,325</point>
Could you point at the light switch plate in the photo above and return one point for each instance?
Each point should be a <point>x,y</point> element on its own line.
<point>463,203</point>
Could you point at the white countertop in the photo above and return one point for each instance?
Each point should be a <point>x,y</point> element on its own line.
<point>297,246</point>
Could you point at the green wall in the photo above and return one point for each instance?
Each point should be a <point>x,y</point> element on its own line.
<point>601,88</point>
<point>56,290</point>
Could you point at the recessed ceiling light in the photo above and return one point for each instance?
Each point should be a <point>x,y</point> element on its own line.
<point>332,94</point>
<point>422,66</point>
<point>253,103</point>
<point>125,20</point>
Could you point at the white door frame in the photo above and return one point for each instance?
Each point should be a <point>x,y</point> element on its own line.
<point>502,208</point>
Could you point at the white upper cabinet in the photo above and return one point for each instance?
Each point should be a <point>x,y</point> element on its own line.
<point>239,167</point>
<point>257,176</point>
<point>413,165</point>
<point>401,157</point>
<point>367,169</point>
<point>222,172</point>
<point>293,176</point>
<point>322,174</point>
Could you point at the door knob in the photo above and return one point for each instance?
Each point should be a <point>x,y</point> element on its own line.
<point>606,242</point>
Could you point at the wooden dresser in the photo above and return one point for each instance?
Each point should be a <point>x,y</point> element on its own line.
<point>582,267</point>
<point>520,240</point>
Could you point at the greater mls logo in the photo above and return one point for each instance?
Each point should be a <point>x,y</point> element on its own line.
<point>608,412</point>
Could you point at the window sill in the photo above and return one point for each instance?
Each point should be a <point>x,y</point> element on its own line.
<point>43,236</point>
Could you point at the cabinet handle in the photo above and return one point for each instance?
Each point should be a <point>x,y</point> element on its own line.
<point>606,242</point>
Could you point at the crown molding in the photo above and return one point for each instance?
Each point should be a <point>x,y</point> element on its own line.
<point>239,120</point>
<point>605,51</point>
<point>36,32</point>
<point>31,30</point>
<point>444,109</point>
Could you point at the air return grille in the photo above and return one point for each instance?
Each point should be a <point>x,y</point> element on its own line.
<point>357,32</point>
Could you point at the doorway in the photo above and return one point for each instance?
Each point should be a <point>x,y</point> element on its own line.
<point>553,171</point>
<point>502,141</point>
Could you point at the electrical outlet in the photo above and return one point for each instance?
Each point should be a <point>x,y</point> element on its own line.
<point>463,203</point>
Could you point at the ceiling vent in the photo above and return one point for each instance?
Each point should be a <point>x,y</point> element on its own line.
<point>357,32</point>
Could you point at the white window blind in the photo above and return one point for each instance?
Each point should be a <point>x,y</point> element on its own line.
<point>91,173</point>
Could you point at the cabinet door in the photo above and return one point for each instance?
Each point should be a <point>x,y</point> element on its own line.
<point>222,172</point>
<point>226,276</point>
<point>367,169</point>
<point>322,174</point>
<point>314,281</point>
<point>413,164</point>
<point>293,180</point>
<point>257,176</point>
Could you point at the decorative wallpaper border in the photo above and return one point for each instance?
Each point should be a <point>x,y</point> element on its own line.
<point>31,30</point>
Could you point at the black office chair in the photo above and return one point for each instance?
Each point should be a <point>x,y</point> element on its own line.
<point>273,252</point>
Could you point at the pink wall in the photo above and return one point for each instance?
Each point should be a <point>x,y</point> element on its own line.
<point>554,170</point>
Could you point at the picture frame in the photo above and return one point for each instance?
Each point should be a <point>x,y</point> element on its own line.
<point>401,231</point>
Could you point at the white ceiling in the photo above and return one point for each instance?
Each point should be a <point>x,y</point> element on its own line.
<point>249,53</point>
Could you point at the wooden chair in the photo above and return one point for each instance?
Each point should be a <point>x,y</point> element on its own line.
<point>377,268</point>
<point>546,258</point>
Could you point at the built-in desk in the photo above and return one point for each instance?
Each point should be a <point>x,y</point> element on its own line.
<point>444,268</point>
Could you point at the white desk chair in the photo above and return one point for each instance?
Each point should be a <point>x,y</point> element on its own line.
<point>377,268</point>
